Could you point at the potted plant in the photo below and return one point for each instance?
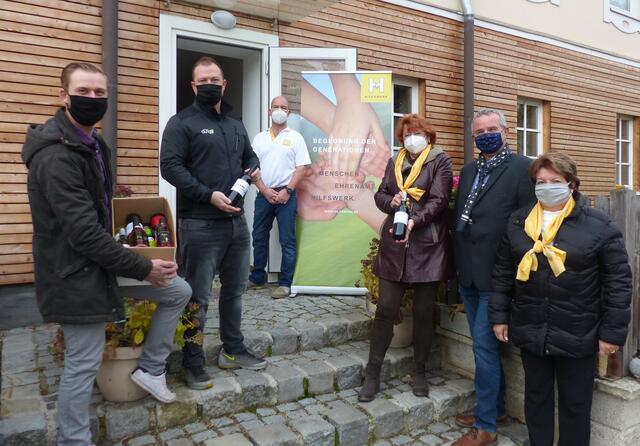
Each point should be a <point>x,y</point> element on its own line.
<point>123,346</point>
<point>403,326</point>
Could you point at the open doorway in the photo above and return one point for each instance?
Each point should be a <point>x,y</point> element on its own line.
<point>241,69</point>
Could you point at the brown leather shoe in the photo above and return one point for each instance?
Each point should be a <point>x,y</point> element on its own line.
<point>467,419</point>
<point>476,437</point>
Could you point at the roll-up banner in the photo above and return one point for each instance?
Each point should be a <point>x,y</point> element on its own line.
<point>346,119</point>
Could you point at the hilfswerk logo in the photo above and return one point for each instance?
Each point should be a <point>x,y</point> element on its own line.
<point>376,87</point>
<point>207,131</point>
<point>373,85</point>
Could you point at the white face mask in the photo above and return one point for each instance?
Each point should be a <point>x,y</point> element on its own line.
<point>278,116</point>
<point>552,194</point>
<point>415,143</point>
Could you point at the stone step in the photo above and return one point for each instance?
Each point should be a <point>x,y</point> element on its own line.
<point>287,378</point>
<point>280,327</point>
<point>395,417</point>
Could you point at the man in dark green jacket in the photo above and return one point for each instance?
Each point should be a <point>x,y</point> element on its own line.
<point>77,259</point>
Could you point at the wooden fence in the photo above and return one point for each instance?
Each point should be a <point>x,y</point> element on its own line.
<point>624,208</point>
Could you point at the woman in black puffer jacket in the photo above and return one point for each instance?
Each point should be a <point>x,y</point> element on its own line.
<point>562,300</point>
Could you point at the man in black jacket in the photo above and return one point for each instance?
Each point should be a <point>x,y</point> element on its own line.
<point>77,259</point>
<point>490,189</point>
<point>204,151</point>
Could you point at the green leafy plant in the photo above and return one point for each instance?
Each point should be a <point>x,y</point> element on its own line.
<point>372,283</point>
<point>134,330</point>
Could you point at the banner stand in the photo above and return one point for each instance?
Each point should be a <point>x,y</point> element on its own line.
<point>346,120</point>
<point>338,291</point>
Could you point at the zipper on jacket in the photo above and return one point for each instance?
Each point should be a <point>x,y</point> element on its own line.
<point>545,292</point>
<point>224,137</point>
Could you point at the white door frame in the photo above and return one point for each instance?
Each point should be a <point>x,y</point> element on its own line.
<point>171,27</point>
<point>349,55</point>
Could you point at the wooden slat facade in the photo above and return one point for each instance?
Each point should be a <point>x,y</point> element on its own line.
<point>582,94</point>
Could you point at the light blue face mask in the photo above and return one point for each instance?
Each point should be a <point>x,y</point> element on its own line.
<point>552,194</point>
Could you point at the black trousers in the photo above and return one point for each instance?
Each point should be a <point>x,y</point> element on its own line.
<point>391,293</point>
<point>575,379</point>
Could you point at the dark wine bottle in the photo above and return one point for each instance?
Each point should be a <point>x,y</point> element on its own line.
<point>136,235</point>
<point>240,188</point>
<point>163,237</point>
<point>400,220</point>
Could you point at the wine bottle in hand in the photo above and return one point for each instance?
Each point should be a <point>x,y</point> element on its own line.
<point>400,219</point>
<point>240,188</point>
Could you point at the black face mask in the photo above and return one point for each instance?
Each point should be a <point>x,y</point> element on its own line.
<point>87,111</point>
<point>209,94</point>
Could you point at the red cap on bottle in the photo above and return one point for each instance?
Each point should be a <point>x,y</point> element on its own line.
<point>155,219</point>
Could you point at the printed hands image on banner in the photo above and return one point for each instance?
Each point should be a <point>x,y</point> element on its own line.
<point>346,119</point>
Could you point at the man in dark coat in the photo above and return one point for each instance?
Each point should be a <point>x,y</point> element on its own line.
<point>77,259</point>
<point>490,189</point>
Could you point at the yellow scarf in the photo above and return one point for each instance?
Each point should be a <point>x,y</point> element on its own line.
<point>533,228</point>
<point>405,186</point>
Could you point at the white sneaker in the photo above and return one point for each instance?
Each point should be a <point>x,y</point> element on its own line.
<point>155,385</point>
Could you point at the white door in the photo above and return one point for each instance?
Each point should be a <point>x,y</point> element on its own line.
<point>285,68</point>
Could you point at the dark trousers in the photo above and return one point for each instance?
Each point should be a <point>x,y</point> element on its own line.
<point>209,247</point>
<point>264,214</point>
<point>575,392</point>
<point>389,301</point>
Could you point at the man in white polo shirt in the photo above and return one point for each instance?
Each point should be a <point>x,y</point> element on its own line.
<point>283,159</point>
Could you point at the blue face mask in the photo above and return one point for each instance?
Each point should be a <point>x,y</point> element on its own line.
<point>489,142</point>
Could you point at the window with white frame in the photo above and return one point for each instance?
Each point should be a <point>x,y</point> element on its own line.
<point>624,151</point>
<point>627,7</point>
<point>624,14</point>
<point>529,128</point>
<point>405,101</point>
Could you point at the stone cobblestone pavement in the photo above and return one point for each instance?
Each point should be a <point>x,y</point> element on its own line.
<point>333,419</point>
<point>316,350</point>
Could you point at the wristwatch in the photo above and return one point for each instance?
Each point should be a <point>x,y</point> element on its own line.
<point>289,190</point>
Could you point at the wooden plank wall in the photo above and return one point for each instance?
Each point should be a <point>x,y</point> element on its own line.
<point>584,93</point>
<point>408,42</point>
<point>39,38</point>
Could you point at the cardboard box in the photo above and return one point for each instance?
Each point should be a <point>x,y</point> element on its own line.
<point>145,207</point>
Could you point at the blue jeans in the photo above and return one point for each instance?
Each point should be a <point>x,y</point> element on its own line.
<point>208,247</point>
<point>264,213</point>
<point>489,377</point>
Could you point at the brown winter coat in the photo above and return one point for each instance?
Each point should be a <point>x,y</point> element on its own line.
<point>426,256</point>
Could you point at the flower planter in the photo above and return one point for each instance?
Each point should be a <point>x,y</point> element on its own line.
<point>114,376</point>
<point>402,332</point>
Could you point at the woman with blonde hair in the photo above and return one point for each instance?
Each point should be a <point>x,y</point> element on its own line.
<point>562,289</point>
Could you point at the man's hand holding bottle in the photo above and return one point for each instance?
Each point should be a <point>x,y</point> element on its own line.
<point>238,190</point>
<point>222,202</point>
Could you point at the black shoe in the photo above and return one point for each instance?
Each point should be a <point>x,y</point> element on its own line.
<point>420,386</point>
<point>197,378</point>
<point>371,385</point>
